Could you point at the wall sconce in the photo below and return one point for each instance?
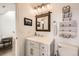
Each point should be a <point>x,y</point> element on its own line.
<point>42,8</point>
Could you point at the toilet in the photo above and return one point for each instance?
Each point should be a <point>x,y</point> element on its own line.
<point>67,50</point>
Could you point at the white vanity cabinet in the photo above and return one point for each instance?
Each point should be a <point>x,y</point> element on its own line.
<point>35,47</point>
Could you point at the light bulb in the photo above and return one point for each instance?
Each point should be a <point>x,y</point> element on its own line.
<point>42,22</point>
<point>42,9</point>
<point>39,10</point>
<point>35,11</point>
<point>49,7</point>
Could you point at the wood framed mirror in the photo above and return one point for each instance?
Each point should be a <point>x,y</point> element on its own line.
<point>43,22</point>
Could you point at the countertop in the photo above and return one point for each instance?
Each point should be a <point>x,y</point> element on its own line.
<point>44,40</point>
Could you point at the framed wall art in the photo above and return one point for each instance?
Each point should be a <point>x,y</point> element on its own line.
<point>27,21</point>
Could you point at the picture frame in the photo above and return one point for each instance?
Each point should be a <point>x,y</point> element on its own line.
<point>43,22</point>
<point>27,21</point>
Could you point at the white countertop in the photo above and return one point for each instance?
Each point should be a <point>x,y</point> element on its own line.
<point>44,40</point>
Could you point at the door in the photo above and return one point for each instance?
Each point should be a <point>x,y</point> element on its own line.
<point>34,48</point>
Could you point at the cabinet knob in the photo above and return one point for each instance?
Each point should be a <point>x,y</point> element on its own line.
<point>42,47</point>
<point>42,53</point>
<point>31,51</point>
<point>16,37</point>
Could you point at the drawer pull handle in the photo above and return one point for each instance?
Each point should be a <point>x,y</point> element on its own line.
<point>31,51</point>
<point>42,53</point>
<point>42,47</point>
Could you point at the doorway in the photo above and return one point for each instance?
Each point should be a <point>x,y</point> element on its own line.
<point>7,29</point>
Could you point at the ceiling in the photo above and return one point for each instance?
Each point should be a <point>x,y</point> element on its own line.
<point>4,7</point>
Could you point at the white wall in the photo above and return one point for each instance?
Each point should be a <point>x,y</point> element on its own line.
<point>25,10</point>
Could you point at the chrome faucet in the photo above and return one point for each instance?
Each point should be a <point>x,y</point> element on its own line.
<point>38,35</point>
<point>35,34</point>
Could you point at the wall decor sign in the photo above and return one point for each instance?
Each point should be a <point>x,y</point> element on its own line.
<point>43,22</point>
<point>68,27</point>
<point>27,21</point>
<point>66,10</point>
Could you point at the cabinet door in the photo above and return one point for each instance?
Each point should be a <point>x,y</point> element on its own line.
<point>34,48</point>
<point>27,48</point>
<point>43,50</point>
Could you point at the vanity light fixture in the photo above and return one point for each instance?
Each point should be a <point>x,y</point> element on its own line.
<point>42,8</point>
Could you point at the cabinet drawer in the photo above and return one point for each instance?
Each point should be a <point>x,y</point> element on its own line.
<point>43,50</point>
<point>43,54</point>
<point>43,47</point>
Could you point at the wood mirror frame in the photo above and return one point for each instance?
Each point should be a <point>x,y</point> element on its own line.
<point>45,17</point>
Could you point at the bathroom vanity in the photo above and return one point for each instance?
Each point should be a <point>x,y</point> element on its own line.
<point>39,46</point>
